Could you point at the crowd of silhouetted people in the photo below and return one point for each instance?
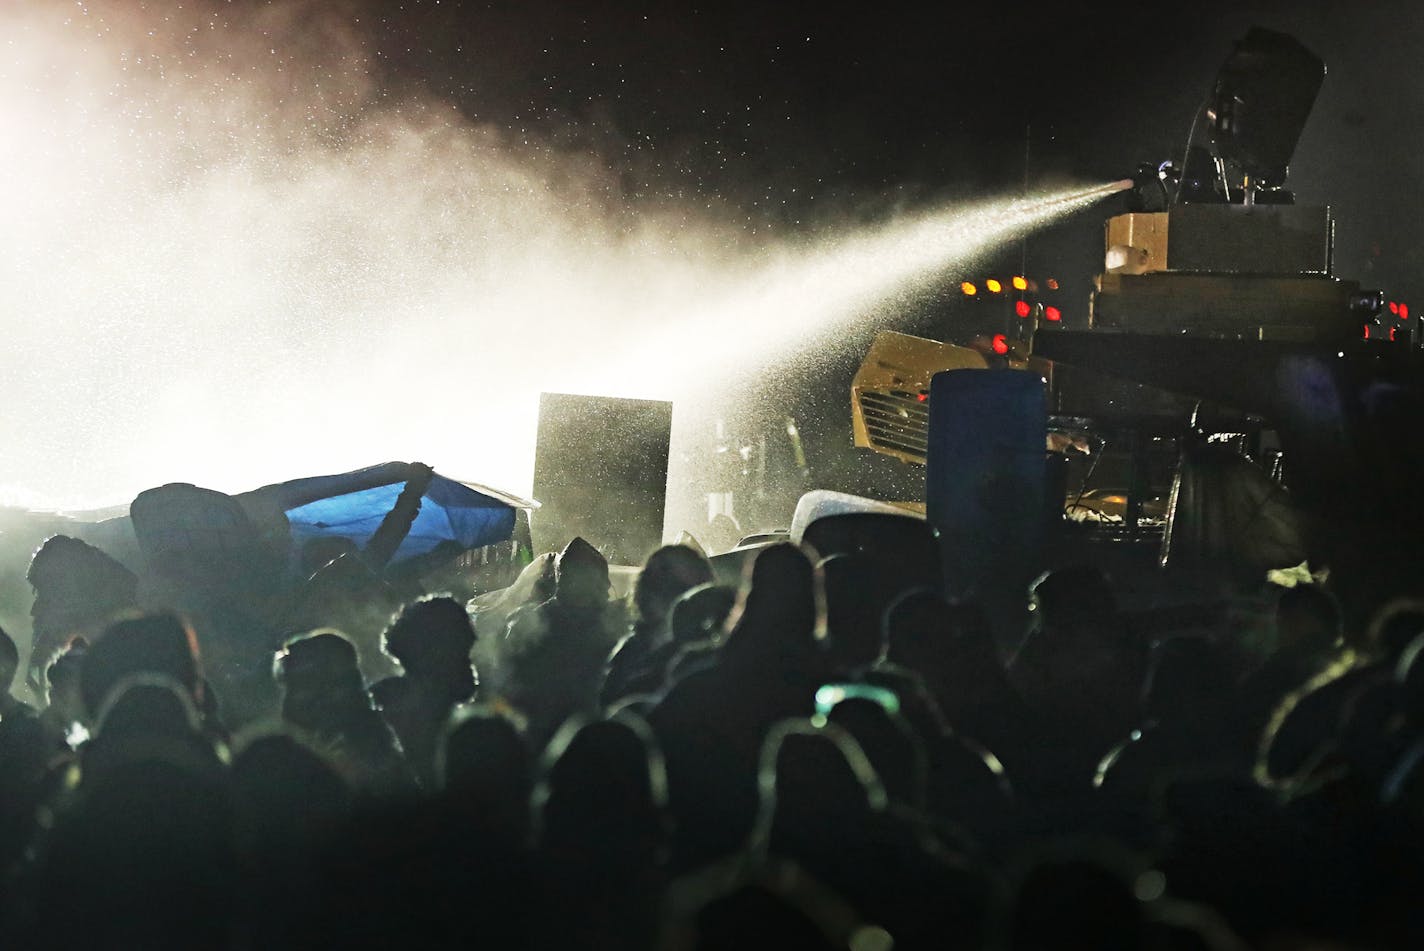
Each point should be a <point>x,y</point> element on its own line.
<point>828,755</point>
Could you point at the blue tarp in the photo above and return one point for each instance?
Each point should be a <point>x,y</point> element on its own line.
<point>353,504</point>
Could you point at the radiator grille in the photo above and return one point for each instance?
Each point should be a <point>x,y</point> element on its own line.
<point>896,421</point>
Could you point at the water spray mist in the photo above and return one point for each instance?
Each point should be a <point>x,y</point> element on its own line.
<point>213,286</point>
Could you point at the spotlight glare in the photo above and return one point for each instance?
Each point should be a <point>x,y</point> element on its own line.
<point>993,286</point>
<point>969,289</point>
<point>1020,284</point>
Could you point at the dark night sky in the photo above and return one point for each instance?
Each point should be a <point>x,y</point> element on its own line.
<point>786,112</point>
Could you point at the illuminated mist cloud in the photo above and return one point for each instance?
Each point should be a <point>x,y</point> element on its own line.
<point>235,256</point>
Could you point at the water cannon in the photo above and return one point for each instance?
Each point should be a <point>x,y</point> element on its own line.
<point>1196,180</point>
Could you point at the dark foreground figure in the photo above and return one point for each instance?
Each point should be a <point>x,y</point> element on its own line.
<point>829,757</point>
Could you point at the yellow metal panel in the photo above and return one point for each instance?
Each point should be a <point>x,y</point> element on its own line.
<point>1136,243</point>
<point>896,370</point>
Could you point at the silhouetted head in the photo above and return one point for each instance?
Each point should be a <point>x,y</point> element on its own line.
<point>816,784</point>
<point>668,573</point>
<point>481,744</point>
<point>150,644</point>
<point>483,766</point>
<point>700,613</point>
<point>581,576</point>
<point>778,611</point>
<point>149,717</point>
<point>604,789</point>
<point>895,752</point>
<point>316,671</point>
<point>432,639</point>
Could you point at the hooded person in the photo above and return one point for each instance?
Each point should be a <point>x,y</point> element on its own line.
<point>581,591</point>
<point>552,655</point>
